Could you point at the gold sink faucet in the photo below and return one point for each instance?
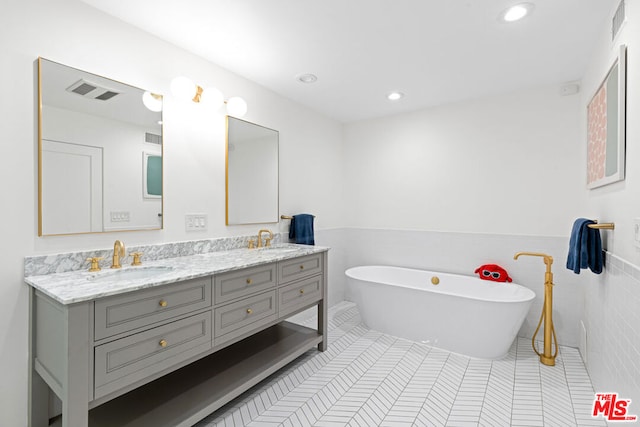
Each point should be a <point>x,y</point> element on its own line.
<point>118,252</point>
<point>267,241</point>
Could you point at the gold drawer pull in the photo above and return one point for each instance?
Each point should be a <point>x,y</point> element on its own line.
<point>249,281</point>
<point>435,280</point>
<point>162,303</point>
<point>163,343</point>
<point>302,267</point>
<point>249,311</point>
<point>302,291</point>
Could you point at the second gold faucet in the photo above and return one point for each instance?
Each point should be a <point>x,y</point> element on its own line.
<point>267,241</point>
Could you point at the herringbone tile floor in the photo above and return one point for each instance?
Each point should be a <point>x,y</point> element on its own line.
<point>367,378</point>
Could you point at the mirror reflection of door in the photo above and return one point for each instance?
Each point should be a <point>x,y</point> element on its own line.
<point>71,188</point>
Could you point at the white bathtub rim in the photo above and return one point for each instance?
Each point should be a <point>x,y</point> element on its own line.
<point>526,293</point>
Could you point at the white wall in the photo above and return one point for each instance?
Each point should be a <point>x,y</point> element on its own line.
<point>507,164</point>
<point>619,202</point>
<point>72,33</point>
<point>611,317</point>
<point>457,186</point>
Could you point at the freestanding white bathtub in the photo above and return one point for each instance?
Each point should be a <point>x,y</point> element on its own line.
<point>462,314</point>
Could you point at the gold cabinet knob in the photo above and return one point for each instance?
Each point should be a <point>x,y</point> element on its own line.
<point>163,343</point>
<point>302,267</point>
<point>162,303</point>
<point>249,281</point>
<point>302,291</point>
<point>435,280</point>
<point>249,311</point>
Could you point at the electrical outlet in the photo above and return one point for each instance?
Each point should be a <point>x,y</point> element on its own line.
<point>636,232</point>
<point>195,222</point>
<point>122,216</point>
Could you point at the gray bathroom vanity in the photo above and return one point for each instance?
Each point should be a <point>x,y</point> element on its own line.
<point>166,344</point>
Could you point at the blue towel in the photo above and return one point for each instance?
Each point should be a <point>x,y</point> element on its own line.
<point>585,247</point>
<point>301,229</point>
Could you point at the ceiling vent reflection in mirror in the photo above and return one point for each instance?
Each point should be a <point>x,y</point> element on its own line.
<point>91,90</point>
<point>152,138</point>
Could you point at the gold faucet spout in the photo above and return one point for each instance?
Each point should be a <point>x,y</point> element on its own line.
<point>267,240</point>
<point>118,252</point>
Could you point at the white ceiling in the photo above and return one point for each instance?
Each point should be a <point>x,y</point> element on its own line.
<point>435,51</point>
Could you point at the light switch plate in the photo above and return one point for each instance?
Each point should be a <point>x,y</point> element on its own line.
<point>195,222</point>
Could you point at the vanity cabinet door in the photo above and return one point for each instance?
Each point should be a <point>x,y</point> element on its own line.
<point>299,294</point>
<point>236,284</point>
<point>127,360</point>
<point>123,313</point>
<point>298,268</point>
<point>239,317</point>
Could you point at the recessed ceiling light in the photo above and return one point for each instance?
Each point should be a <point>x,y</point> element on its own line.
<point>516,12</point>
<point>394,96</point>
<point>307,78</point>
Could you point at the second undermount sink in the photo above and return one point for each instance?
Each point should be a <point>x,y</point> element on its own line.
<point>134,273</point>
<point>276,250</point>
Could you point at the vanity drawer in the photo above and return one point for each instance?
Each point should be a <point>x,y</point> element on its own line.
<point>299,294</point>
<point>123,313</point>
<point>295,269</point>
<point>133,358</point>
<point>234,319</point>
<point>235,284</point>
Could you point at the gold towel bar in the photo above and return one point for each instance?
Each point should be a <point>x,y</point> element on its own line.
<point>288,217</point>
<point>603,226</point>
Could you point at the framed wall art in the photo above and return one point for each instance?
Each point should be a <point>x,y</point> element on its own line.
<point>606,126</point>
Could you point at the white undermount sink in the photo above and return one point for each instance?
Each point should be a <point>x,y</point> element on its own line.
<point>133,273</point>
<point>275,250</point>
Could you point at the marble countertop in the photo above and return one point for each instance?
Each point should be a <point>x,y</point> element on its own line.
<point>78,286</point>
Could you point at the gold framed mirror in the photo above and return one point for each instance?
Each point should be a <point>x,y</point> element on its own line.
<point>99,153</point>
<point>251,173</point>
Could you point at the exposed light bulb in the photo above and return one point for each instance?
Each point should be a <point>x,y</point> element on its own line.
<point>183,88</point>
<point>152,101</point>
<point>236,106</point>
<point>212,97</point>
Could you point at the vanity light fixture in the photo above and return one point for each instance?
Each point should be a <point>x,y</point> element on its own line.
<point>152,101</point>
<point>185,89</point>
<point>395,96</point>
<point>516,12</point>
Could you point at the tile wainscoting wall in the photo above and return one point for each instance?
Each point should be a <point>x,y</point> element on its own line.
<point>462,253</point>
<point>612,321</point>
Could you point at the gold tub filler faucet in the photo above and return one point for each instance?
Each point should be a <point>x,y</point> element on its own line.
<point>546,358</point>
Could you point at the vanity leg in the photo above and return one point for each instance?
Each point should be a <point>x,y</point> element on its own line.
<point>38,388</point>
<point>38,401</point>
<point>323,307</point>
<point>75,399</point>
